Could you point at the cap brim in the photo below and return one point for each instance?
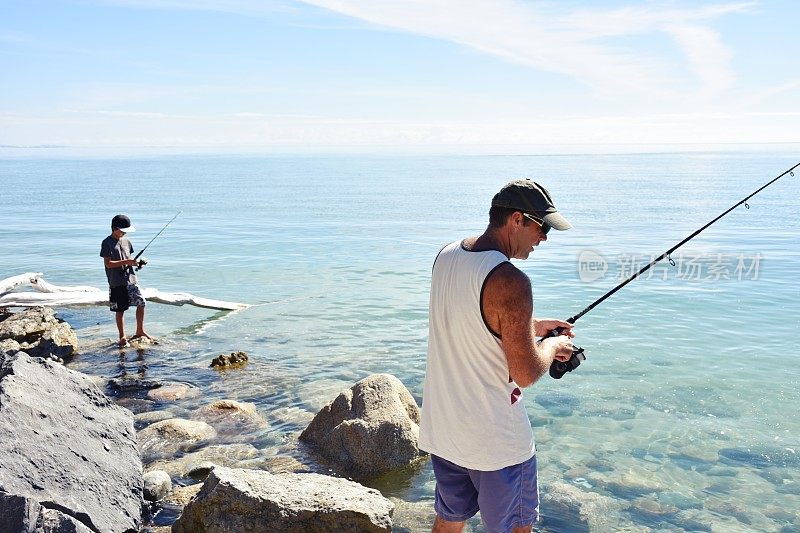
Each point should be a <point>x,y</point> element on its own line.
<point>556,221</point>
<point>131,229</point>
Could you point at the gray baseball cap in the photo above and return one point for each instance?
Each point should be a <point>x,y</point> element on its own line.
<point>531,198</point>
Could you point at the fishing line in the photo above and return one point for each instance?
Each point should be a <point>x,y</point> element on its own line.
<point>143,261</point>
<point>559,368</point>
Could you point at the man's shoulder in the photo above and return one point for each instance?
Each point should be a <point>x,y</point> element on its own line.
<point>507,282</point>
<point>508,274</point>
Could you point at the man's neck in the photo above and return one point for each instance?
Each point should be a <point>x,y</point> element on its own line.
<point>489,240</point>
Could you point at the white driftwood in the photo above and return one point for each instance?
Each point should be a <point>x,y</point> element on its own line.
<point>42,286</point>
<point>14,281</point>
<point>54,295</point>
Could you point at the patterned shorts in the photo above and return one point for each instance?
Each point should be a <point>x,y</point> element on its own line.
<point>121,298</point>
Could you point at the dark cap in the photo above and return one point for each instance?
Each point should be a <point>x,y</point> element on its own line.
<point>122,222</point>
<point>531,198</point>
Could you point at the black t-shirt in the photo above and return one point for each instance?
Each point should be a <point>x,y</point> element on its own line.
<point>117,250</point>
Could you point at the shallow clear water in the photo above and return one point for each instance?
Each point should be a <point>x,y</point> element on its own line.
<point>691,381</point>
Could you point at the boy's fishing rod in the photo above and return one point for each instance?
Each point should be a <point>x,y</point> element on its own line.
<point>143,261</point>
<point>559,368</point>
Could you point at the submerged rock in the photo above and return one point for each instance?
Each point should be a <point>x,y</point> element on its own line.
<point>142,420</point>
<point>219,455</point>
<point>230,415</point>
<point>761,457</point>
<point>129,384</point>
<point>225,362</point>
<point>579,509</point>
<point>67,452</point>
<point>172,435</point>
<point>172,392</point>
<point>627,485</point>
<point>252,500</point>
<point>737,511</point>
<point>368,429</point>
<point>653,509</point>
<point>558,403</point>
<point>39,333</point>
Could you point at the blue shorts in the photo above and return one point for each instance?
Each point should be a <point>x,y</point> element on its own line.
<point>507,498</point>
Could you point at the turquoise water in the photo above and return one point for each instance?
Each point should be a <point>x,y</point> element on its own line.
<point>691,381</point>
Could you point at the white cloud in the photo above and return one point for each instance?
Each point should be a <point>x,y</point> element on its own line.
<point>578,44</point>
<point>708,57</point>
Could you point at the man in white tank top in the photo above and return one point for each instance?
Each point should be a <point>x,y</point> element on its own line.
<point>481,352</point>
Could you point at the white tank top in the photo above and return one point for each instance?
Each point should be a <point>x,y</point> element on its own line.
<point>472,414</point>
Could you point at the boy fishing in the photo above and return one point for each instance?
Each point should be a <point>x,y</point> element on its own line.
<point>117,253</point>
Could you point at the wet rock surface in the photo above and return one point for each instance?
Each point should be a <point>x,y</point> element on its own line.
<point>65,449</point>
<point>233,360</point>
<point>253,500</point>
<point>368,429</point>
<point>37,332</point>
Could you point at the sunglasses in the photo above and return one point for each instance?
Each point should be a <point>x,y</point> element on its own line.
<point>542,224</point>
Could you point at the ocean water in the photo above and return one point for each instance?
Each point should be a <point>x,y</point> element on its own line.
<point>683,417</point>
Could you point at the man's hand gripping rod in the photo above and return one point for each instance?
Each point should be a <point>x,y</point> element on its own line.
<point>559,368</point>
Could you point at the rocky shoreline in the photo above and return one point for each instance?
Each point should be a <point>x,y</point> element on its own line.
<point>144,453</point>
<point>75,460</point>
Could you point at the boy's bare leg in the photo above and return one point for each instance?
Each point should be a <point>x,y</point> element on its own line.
<point>121,328</point>
<point>445,526</point>
<point>140,332</point>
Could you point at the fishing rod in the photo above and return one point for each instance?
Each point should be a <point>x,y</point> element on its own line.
<point>559,368</point>
<point>143,261</point>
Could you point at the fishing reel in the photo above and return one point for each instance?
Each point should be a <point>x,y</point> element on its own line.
<point>142,262</point>
<point>559,368</point>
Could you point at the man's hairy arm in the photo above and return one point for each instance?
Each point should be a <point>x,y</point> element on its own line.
<point>508,307</point>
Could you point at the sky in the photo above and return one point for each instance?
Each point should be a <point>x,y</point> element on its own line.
<point>231,76</point>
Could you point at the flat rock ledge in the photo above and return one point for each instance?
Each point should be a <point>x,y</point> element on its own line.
<point>371,428</point>
<point>38,333</point>
<point>251,501</point>
<point>68,455</point>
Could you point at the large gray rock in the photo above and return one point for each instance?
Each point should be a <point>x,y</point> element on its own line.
<point>368,429</point>
<point>39,333</point>
<point>251,501</point>
<point>24,515</point>
<point>66,448</point>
